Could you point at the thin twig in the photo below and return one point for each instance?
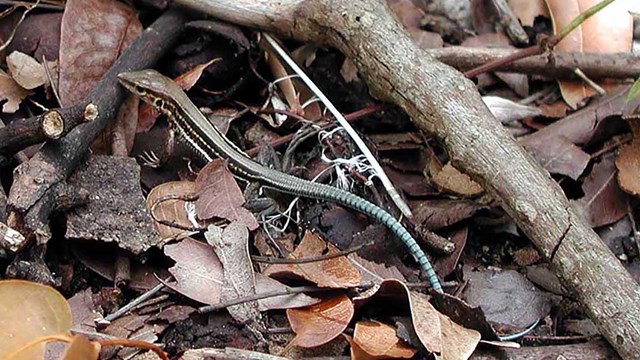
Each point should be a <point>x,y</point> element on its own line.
<point>144,297</point>
<point>13,32</point>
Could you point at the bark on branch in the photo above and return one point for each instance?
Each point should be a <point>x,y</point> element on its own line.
<point>441,101</point>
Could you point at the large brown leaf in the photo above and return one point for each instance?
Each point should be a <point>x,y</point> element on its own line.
<point>92,36</point>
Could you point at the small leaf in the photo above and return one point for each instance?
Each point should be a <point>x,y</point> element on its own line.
<point>380,341</point>
<point>191,77</point>
<point>333,273</point>
<point>318,324</point>
<point>170,205</point>
<point>12,92</point>
<point>634,90</point>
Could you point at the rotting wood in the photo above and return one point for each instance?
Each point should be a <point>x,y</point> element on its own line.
<point>444,103</point>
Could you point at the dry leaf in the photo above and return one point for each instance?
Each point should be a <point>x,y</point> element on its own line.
<point>92,36</point>
<point>507,111</point>
<point>558,155</point>
<point>603,202</point>
<point>123,130</point>
<point>590,37</point>
<point>628,164</point>
<point>11,91</point>
<point>27,71</point>
<point>333,273</point>
<point>191,77</point>
<point>266,284</point>
<point>451,180</point>
<point>232,247</point>
<point>458,341</point>
<point>374,273</point>
<point>198,272</point>
<point>506,297</point>
<point>379,341</point>
<point>220,196</point>
<point>286,86</point>
<point>320,323</point>
<point>42,311</point>
<point>174,210</point>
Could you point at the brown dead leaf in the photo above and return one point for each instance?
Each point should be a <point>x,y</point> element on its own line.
<point>27,71</point>
<point>458,342</point>
<point>174,210</point>
<point>451,180</point>
<point>628,164</point>
<point>425,318</point>
<point>590,37</point>
<point>287,86</point>
<point>332,273</point>
<point>11,91</point>
<point>191,77</point>
<point>43,311</point>
<point>506,297</point>
<point>603,202</point>
<point>232,247</point>
<point>379,341</point>
<point>439,213</point>
<point>507,111</point>
<point>92,36</point>
<point>266,284</point>
<point>558,155</point>
<point>220,196</point>
<point>100,258</point>
<point>198,271</point>
<point>528,10</point>
<point>556,110</point>
<point>373,272</point>
<point>320,323</point>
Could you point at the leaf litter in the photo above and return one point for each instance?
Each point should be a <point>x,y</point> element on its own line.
<point>447,201</point>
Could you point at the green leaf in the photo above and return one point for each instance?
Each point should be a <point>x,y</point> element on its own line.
<point>634,91</point>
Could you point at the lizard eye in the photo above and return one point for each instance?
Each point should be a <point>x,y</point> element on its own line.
<point>140,90</point>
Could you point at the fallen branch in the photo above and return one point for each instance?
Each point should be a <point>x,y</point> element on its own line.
<point>444,103</point>
<point>556,66</point>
